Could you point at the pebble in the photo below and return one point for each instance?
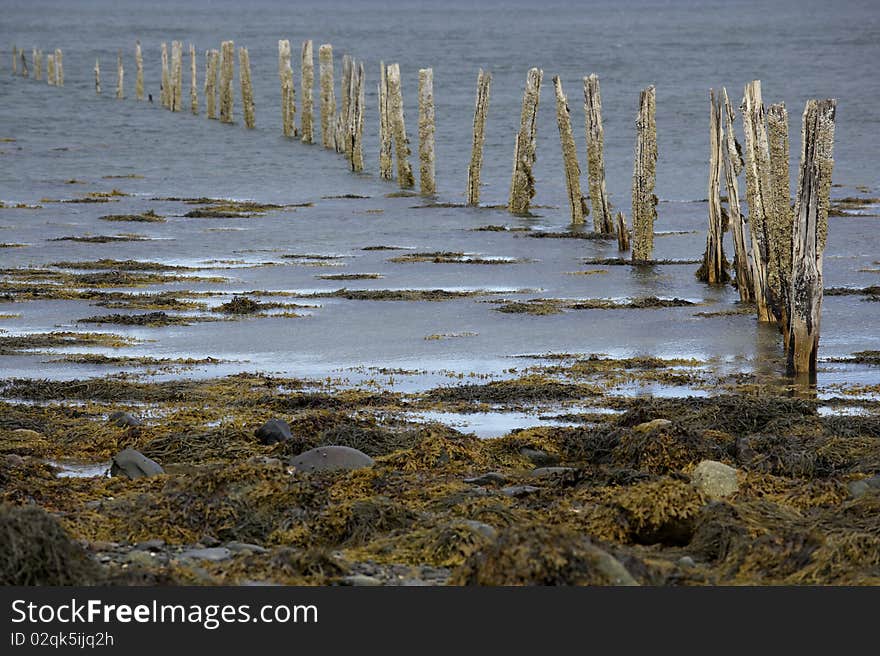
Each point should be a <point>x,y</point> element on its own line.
<point>686,561</point>
<point>539,458</point>
<point>654,424</point>
<point>273,431</point>
<point>213,554</point>
<point>124,419</point>
<point>548,472</point>
<point>715,479</point>
<point>519,490</point>
<point>330,458</point>
<point>492,478</point>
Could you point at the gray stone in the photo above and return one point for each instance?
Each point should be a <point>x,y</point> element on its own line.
<point>212,554</point>
<point>519,490</point>
<point>539,458</point>
<point>330,458</point>
<point>124,419</point>
<point>140,558</point>
<point>273,431</point>
<point>861,488</point>
<point>491,478</point>
<point>715,479</point>
<point>486,530</point>
<point>134,464</point>
<point>686,561</point>
<point>150,545</point>
<point>611,568</point>
<point>361,580</point>
<point>652,425</point>
<point>244,547</point>
<point>268,461</point>
<point>549,472</point>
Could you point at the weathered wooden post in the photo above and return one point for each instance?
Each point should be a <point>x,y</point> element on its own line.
<point>59,68</point>
<point>176,76</point>
<point>759,193</point>
<point>622,232</point>
<point>120,74</point>
<point>356,118</point>
<point>37,58</point>
<point>288,93</point>
<point>227,65</point>
<point>714,267</point>
<point>139,65</point>
<point>247,91</point>
<point>481,110</point>
<point>342,140</point>
<point>212,58</point>
<point>427,184</point>
<point>97,77</point>
<point>522,184</point>
<point>308,85</point>
<point>328,96</point>
<point>602,220</point>
<point>14,60</point>
<point>50,69</point>
<point>781,220</point>
<point>385,171</point>
<point>193,85</point>
<point>809,234</point>
<point>644,201</point>
<point>398,128</point>
<point>569,155</point>
<point>24,66</point>
<point>733,164</point>
<point>165,90</point>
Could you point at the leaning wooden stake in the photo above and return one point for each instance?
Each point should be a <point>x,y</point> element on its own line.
<point>809,234</point>
<point>398,128</point>
<point>139,73</point>
<point>97,77</point>
<point>50,69</point>
<point>602,220</point>
<point>308,84</point>
<point>193,82</point>
<point>342,120</point>
<point>59,68</point>
<point>356,119</point>
<point>569,155</point>
<point>714,267</point>
<point>328,97</point>
<point>385,152</point>
<point>227,54</point>
<point>176,76</point>
<point>522,183</point>
<point>622,232</point>
<point>644,201</point>
<point>247,91</point>
<point>120,74</point>
<point>427,184</point>
<point>481,110</point>
<point>24,66</point>
<point>733,164</point>
<point>288,94</point>
<point>780,221</point>
<point>212,58</point>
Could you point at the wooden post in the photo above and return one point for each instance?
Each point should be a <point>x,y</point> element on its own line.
<point>342,141</point>
<point>328,96</point>
<point>522,184</point>
<point>37,58</point>
<point>481,110</point>
<point>385,171</point>
<point>193,84</point>
<point>139,64</point>
<point>733,164</point>
<point>288,94</point>
<point>356,119</point>
<point>308,84</point>
<point>247,91</point>
<point>809,234</point>
<point>758,192</point>
<point>50,69</point>
<point>176,76</point>
<point>227,65</point>
<point>165,91</point>
<point>120,74</point>
<point>97,77</point>
<point>622,232</point>
<point>398,128</point>
<point>780,222</point>
<point>14,60</point>
<point>602,220</point>
<point>714,267</point>
<point>427,184</point>
<point>569,155</point>
<point>59,68</point>
<point>212,58</point>
<point>24,66</point>
<point>644,201</point>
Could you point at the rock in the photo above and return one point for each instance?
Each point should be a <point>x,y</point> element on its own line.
<point>539,458</point>
<point>519,490</point>
<point>330,458</point>
<point>150,545</point>
<point>686,561</point>
<point>860,488</point>
<point>486,530</point>
<point>208,540</point>
<point>273,431</point>
<point>212,554</point>
<point>549,472</point>
<point>140,558</point>
<point>101,545</point>
<point>652,425</point>
<point>13,460</point>
<point>612,569</point>
<point>715,479</point>
<point>745,454</point>
<point>492,478</point>
<point>267,461</point>
<point>134,464</point>
<point>244,547</point>
<point>361,580</point>
<point>124,419</point>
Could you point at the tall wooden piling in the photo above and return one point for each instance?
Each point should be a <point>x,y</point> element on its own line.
<point>308,85</point>
<point>176,76</point>
<point>50,69</point>
<point>212,58</point>
<point>165,90</point>
<point>385,152</point>
<point>780,221</point>
<point>644,201</point>
<point>120,75</point>
<point>809,234</point>
<point>139,73</point>
<point>328,96</point>
<point>714,267</point>
<point>14,60</point>
<point>37,58</point>
<point>733,164</point>
<point>622,232</point>
<point>97,77</point>
<point>227,65</point>
<point>356,118</point>
<point>342,140</point>
<point>522,184</point>
<point>59,68</point>
<point>247,91</point>
<point>193,82</point>
<point>602,219</point>
<point>569,155</point>
<point>481,110</point>
<point>398,128</point>
<point>288,93</point>
<point>427,185</point>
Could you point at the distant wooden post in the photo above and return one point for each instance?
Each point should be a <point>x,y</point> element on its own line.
<point>227,65</point>
<point>14,60</point>
<point>427,184</point>
<point>644,201</point>
<point>247,91</point>
<point>622,232</point>
<point>522,184</point>
<point>139,65</point>
<point>569,155</point>
<point>288,94</point>
<point>398,128</point>
<point>59,68</point>
<point>342,120</point>
<point>176,76</point>
<point>602,220</point>
<point>385,152</point>
<point>24,66</point>
<point>97,77</point>
<point>120,74</point>
<point>50,69</point>
<point>212,58</point>
<point>165,91</point>
<point>810,233</point>
<point>780,223</point>
<point>356,119</point>
<point>733,164</point>
<point>193,82</point>
<point>37,57</point>
<point>328,96</point>
<point>308,85</point>
<point>481,110</point>
<point>714,267</point>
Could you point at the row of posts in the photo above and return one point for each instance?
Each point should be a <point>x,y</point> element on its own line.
<point>54,65</point>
